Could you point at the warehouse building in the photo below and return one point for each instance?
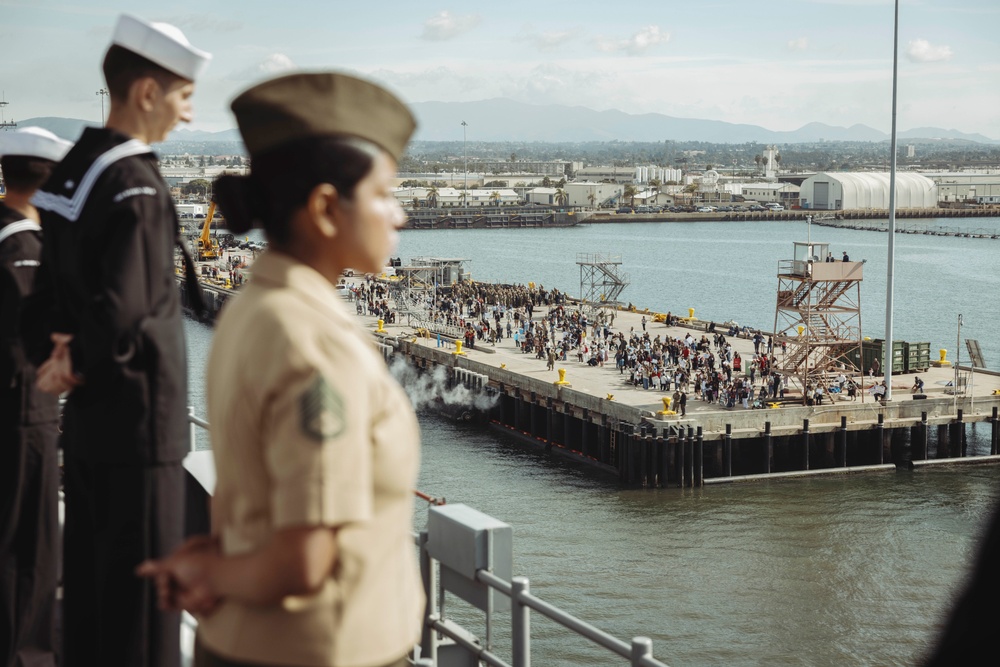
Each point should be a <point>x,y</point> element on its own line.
<point>837,191</point>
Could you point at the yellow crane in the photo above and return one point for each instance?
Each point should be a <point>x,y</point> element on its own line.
<point>208,249</point>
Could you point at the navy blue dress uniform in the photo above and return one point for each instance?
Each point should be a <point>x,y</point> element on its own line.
<point>110,234</point>
<point>29,472</point>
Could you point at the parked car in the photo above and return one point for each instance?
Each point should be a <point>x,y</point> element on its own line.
<point>625,209</point>
<point>758,208</point>
<point>704,209</point>
<point>773,206</point>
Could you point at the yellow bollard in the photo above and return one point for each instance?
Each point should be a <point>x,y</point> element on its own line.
<point>458,349</point>
<point>690,313</point>
<point>502,366</point>
<point>562,382</point>
<point>666,411</point>
<point>611,397</point>
<point>381,328</point>
<point>801,329</point>
<point>941,363</point>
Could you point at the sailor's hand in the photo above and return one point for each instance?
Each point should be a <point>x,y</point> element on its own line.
<point>56,375</point>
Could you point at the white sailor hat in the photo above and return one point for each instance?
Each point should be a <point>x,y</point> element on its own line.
<point>162,44</point>
<point>34,142</point>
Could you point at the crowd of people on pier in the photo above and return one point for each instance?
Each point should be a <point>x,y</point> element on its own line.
<point>707,365</point>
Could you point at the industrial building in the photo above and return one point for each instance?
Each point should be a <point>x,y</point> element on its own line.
<point>836,191</point>
<point>972,187</point>
<point>587,194</point>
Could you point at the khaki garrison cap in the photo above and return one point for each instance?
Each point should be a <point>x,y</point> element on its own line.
<point>301,105</point>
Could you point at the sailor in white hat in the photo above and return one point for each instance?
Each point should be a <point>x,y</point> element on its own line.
<point>29,471</point>
<point>111,228</point>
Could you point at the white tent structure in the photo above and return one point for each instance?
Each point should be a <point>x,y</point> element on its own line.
<point>837,191</point>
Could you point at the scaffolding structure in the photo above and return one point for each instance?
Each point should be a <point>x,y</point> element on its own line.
<point>414,289</point>
<point>601,281</point>
<point>818,317</point>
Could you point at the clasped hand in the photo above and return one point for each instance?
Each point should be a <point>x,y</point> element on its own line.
<point>56,375</point>
<point>183,579</point>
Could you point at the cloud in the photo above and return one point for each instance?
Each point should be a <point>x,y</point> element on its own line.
<point>433,83</point>
<point>274,63</point>
<point>269,66</point>
<point>922,51</point>
<point>445,25</point>
<point>551,84</point>
<point>205,23</point>
<point>635,45</point>
<point>798,44</point>
<point>547,41</point>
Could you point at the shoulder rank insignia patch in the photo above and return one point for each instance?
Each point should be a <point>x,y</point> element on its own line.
<point>321,410</point>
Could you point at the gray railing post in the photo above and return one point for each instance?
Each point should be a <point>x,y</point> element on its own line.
<point>642,647</point>
<point>428,637</point>
<point>520,621</point>
<point>192,429</point>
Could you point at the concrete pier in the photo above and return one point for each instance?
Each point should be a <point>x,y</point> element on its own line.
<point>603,420</point>
<point>606,422</point>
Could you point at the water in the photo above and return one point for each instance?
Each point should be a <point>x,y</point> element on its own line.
<point>728,270</point>
<point>840,571</point>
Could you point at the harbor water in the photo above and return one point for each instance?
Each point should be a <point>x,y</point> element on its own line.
<point>826,571</point>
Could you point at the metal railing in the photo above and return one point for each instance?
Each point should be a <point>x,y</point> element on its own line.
<point>517,590</point>
<point>435,327</point>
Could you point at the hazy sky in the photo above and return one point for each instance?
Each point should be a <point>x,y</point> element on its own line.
<point>775,63</point>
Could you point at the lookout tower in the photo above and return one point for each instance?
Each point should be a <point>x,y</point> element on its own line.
<point>601,280</point>
<point>818,315</point>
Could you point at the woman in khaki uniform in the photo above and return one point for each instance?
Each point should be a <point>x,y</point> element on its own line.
<point>311,561</point>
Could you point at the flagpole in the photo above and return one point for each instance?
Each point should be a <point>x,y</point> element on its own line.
<point>889,279</point>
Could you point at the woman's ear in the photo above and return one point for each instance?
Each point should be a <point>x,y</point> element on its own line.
<point>323,206</point>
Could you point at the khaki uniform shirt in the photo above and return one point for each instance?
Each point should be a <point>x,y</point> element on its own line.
<point>309,429</point>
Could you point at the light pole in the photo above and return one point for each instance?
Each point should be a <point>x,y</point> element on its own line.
<point>465,152</point>
<point>958,359</point>
<point>102,93</point>
<point>891,260</point>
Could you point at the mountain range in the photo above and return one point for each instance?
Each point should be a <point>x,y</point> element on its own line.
<point>503,119</point>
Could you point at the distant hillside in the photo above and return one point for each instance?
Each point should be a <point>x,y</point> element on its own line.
<point>66,128</point>
<point>181,140</point>
<point>503,119</point>
<point>186,135</point>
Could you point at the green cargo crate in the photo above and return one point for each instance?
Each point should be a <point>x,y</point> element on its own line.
<point>871,350</point>
<point>918,357</point>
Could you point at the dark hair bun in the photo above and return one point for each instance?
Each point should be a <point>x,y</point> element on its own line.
<point>239,199</point>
